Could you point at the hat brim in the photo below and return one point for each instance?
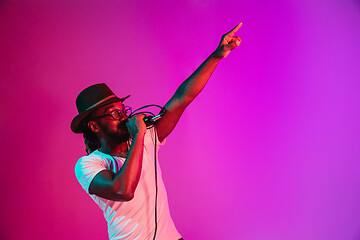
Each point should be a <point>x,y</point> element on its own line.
<point>77,124</point>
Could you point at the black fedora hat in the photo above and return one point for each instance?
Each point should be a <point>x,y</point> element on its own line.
<point>90,99</point>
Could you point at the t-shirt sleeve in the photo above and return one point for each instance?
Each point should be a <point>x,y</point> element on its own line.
<point>153,136</point>
<point>87,168</point>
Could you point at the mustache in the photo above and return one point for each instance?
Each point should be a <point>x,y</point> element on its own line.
<point>122,125</point>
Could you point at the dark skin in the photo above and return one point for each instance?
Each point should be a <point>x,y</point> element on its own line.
<point>120,186</point>
<point>111,133</point>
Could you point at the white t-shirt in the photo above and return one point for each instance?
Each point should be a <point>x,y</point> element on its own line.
<point>134,219</point>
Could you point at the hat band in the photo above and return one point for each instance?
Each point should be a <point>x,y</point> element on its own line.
<point>101,101</point>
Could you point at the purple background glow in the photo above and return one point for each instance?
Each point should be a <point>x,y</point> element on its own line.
<point>269,150</point>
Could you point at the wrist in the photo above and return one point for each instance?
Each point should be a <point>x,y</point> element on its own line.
<point>216,55</point>
<point>139,134</point>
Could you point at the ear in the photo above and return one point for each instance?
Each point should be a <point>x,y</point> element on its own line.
<point>93,126</point>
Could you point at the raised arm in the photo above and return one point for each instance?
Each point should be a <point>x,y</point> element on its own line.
<point>193,85</point>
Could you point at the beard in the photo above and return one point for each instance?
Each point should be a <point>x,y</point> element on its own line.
<point>121,135</point>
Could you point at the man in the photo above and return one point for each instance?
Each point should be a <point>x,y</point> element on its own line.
<point>120,174</point>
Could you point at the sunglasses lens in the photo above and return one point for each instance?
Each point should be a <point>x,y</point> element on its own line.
<point>116,114</point>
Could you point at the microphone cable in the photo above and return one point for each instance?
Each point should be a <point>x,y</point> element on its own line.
<point>135,113</point>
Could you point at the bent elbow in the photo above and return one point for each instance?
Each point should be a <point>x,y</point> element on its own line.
<point>127,197</point>
<point>123,194</point>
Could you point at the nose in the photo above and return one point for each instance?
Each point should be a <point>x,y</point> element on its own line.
<point>123,118</point>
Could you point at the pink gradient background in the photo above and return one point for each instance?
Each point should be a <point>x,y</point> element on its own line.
<point>268,151</point>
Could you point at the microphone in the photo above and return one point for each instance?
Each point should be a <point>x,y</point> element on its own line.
<point>151,120</point>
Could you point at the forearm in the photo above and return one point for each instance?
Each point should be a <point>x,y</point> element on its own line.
<point>193,85</point>
<point>127,179</point>
<point>185,94</point>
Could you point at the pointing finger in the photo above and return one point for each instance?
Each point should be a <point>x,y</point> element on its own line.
<point>234,30</point>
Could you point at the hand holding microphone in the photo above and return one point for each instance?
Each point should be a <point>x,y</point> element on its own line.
<point>136,125</point>
<point>151,119</point>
